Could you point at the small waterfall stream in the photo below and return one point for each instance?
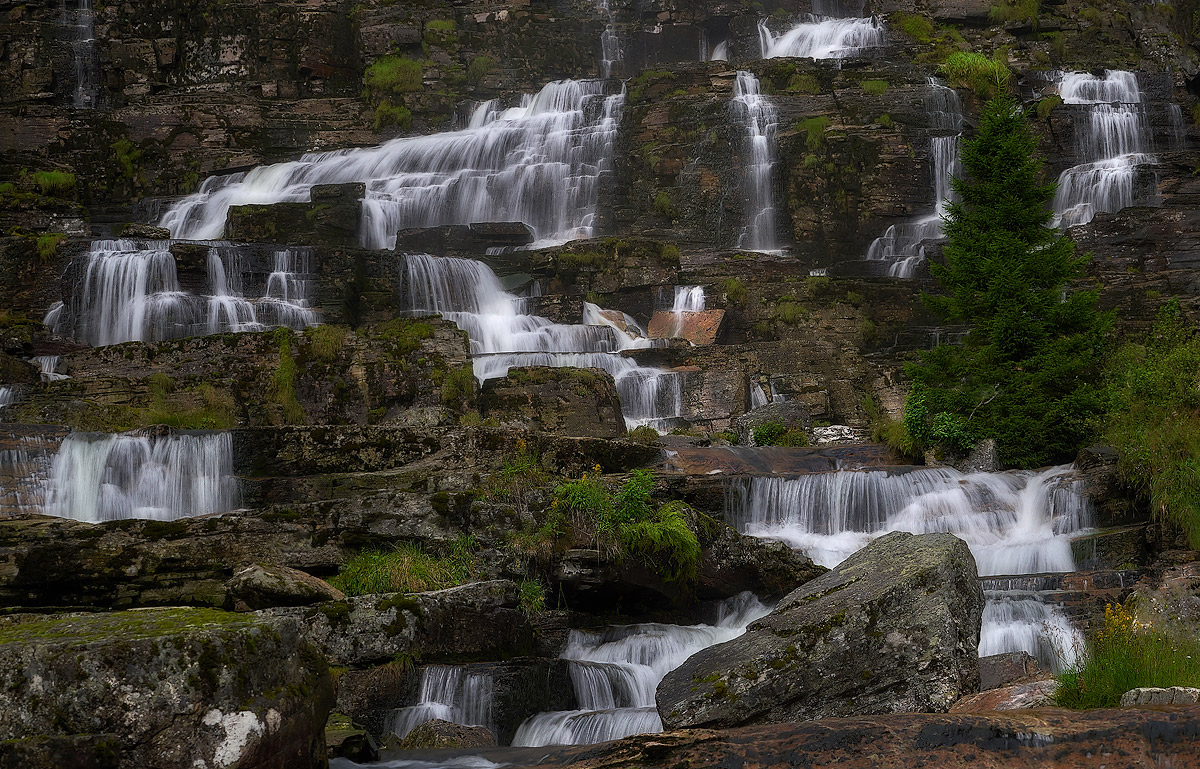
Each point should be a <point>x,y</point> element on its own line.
<point>503,335</point>
<point>823,37</point>
<point>80,24</point>
<point>756,113</point>
<point>1114,140</point>
<point>542,163</point>
<point>450,694</point>
<point>131,292</point>
<point>1014,523</point>
<point>615,673</point>
<point>902,245</point>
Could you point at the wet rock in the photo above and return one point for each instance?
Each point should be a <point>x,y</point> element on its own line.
<point>262,586</point>
<point>1149,695</point>
<point>894,628</point>
<point>981,459</point>
<point>14,370</point>
<point>1002,669</point>
<point>1121,547</point>
<point>173,686</point>
<point>81,751</point>
<point>1012,740</point>
<point>563,401</point>
<point>837,435</point>
<point>733,563</point>
<point>139,231</point>
<point>464,240</point>
<point>330,219</point>
<point>474,621</point>
<point>1113,501</point>
<point>346,739</point>
<point>439,734</point>
<point>789,414</point>
<point>1031,694</point>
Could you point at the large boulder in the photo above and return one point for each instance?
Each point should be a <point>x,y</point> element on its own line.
<point>172,687</point>
<point>566,401</point>
<point>893,629</point>
<point>439,734</point>
<point>264,585</point>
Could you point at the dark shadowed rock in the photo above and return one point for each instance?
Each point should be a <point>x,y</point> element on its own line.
<point>1039,739</point>
<point>262,585</point>
<point>733,563</point>
<point>790,414</point>
<point>174,687</point>
<point>443,734</point>
<point>145,232</point>
<point>894,628</point>
<point>346,739</point>
<point>1002,669</point>
<point>564,401</point>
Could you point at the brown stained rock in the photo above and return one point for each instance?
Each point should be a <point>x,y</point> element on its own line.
<point>894,628</point>
<point>262,586</point>
<point>439,734</point>
<point>1032,694</point>
<point>696,327</point>
<point>1000,670</point>
<point>1038,739</point>
<point>562,401</point>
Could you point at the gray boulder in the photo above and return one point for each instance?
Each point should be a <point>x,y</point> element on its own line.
<point>262,585</point>
<point>790,414</point>
<point>893,629</point>
<point>1152,695</point>
<point>170,687</point>
<point>439,734</point>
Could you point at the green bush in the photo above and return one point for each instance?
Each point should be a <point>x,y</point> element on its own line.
<point>327,341</point>
<point>458,387</point>
<point>406,568</point>
<point>478,69</point>
<point>1122,656</point>
<point>664,542</point>
<point>874,87</point>
<point>735,292</point>
<point>919,28</point>
<point>885,120</point>
<point>48,243</point>
<point>803,83</point>
<point>388,114</point>
<point>393,75</point>
<point>1047,105</point>
<point>1153,398</point>
<point>643,434</point>
<point>790,312</point>
<point>533,596</point>
<point>817,285</point>
<point>775,433</point>
<point>663,205</point>
<point>986,77</point>
<point>814,129</point>
<point>54,182</point>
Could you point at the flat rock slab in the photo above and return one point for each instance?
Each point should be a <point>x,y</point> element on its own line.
<point>696,327</point>
<point>1031,694</point>
<point>894,628</point>
<point>1171,695</point>
<point>171,687</point>
<point>1038,739</point>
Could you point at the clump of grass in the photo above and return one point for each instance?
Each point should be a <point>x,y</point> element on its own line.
<point>775,433</point>
<point>407,568</point>
<point>986,77</point>
<point>874,87</point>
<point>479,68</point>
<point>790,311</point>
<point>54,182</point>
<point>1046,105</point>
<point>735,291</point>
<point>533,596</point>
<point>663,541</point>
<point>805,83</point>
<point>394,75</point>
<point>643,434</point>
<point>813,129</point>
<point>458,387</point>
<point>1123,656</point>
<point>1016,10</point>
<point>283,382</point>
<point>327,341</point>
<point>919,28</point>
<point>664,207</point>
<point>388,114</point>
<point>48,243</point>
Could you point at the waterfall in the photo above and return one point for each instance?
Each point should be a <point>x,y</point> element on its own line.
<point>102,477</point>
<point>1013,622</point>
<point>720,51</point>
<point>25,461</point>
<point>819,37</point>
<point>502,335</point>
<point>450,694</point>
<point>610,42</point>
<point>542,163</point>
<point>615,673</point>
<point>1014,523</point>
<point>131,292</point>
<point>1114,140</point>
<point>80,24</point>
<point>902,245</point>
<point>757,114</point>
<point>686,300</point>
<point>48,367</point>
<point>758,396</point>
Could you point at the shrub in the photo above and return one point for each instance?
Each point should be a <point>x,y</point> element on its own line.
<point>388,114</point>
<point>1047,105</point>
<point>874,87</point>
<point>885,120</point>
<point>1122,656</point>
<point>790,312</point>
<point>406,568</point>
<point>664,542</point>
<point>48,243</point>
<point>54,182</point>
<point>663,205</point>
<point>919,28</point>
<point>775,433</point>
<point>458,387</point>
<point>479,67</point>
<point>394,75</point>
<point>533,596</point>
<point>1153,399</point>
<point>817,285</point>
<point>986,77</point>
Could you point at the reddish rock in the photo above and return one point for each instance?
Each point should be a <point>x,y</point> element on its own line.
<point>1031,694</point>
<point>1038,739</point>
<point>695,327</point>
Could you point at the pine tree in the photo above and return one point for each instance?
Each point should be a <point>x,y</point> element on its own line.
<point>1027,373</point>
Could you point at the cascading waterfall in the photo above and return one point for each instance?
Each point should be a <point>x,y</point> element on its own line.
<point>25,462</point>
<point>1178,127</point>
<point>615,673</point>
<point>131,292</point>
<point>610,42</point>
<point>757,114</point>
<point>820,37</point>
<point>902,245</point>
<point>687,299</point>
<point>450,694</point>
<point>1014,523</point>
<point>103,477</point>
<point>80,24</point>
<point>1114,141</point>
<point>48,368</point>
<point>1013,621</point>
<point>542,163</point>
<point>503,335</point>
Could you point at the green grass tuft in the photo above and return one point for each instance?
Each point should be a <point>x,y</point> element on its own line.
<point>407,568</point>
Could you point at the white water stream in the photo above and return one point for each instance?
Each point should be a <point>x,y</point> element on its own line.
<point>760,121</point>
<point>821,37</point>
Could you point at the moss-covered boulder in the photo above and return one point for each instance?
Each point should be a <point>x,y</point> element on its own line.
<point>439,734</point>
<point>171,687</point>
<point>564,401</point>
<point>893,629</point>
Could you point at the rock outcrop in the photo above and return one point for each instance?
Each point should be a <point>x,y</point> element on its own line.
<point>173,687</point>
<point>1151,695</point>
<point>439,734</point>
<point>894,628</point>
<point>262,586</point>
<point>563,401</point>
